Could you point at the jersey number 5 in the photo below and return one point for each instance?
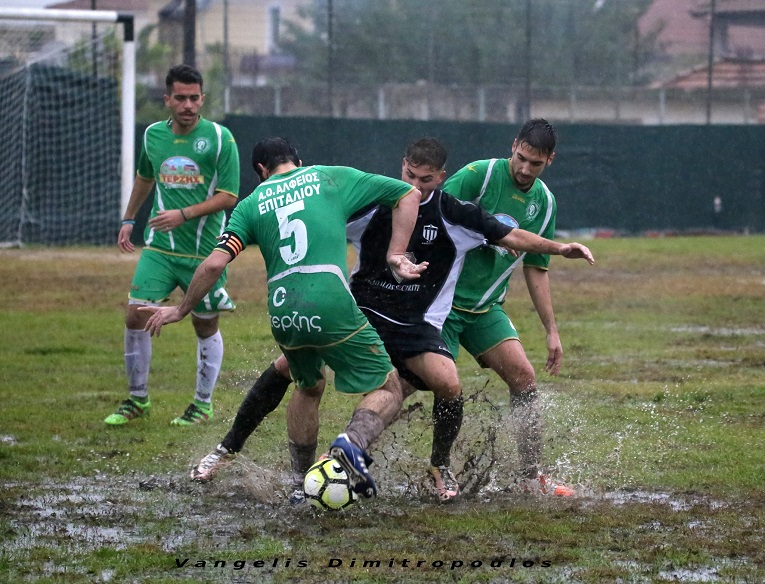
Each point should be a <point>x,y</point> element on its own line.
<point>292,227</point>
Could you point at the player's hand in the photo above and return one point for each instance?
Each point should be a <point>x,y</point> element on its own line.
<point>577,251</point>
<point>162,315</point>
<point>167,220</point>
<point>403,268</point>
<point>554,354</point>
<point>123,239</point>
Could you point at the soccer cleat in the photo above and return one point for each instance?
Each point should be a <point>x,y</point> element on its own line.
<point>542,485</point>
<point>128,410</point>
<point>193,415</point>
<point>446,485</point>
<point>354,462</point>
<point>208,467</point>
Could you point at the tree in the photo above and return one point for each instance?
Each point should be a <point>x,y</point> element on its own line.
<point>468,42</point>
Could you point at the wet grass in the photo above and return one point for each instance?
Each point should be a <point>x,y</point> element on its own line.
<point>657,417</point>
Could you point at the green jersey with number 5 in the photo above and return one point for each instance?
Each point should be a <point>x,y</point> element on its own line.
<point>298,219</point>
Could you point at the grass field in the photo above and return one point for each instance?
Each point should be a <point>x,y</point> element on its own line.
<point>658,417</point>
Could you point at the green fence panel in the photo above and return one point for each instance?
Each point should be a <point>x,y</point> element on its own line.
<point>630,179</point>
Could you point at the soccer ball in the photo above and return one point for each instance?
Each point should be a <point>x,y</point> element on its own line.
<point>326,486</point>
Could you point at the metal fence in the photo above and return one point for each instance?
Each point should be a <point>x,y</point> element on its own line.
<point>502,104</point>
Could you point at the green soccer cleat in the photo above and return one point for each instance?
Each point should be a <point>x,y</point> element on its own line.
<point>194,414</point>
<point>128,410</point>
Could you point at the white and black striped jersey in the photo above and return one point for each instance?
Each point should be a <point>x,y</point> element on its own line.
<point>445,231</point>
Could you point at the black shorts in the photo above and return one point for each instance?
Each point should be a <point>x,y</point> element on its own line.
<point>406,341</point>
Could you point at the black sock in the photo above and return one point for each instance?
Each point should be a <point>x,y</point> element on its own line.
<point>528,430</point>
<point>260,401</point>
<point>447,421</point>
<point>302,457</point>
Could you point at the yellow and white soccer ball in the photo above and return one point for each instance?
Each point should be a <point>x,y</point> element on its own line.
<point>326,486</point>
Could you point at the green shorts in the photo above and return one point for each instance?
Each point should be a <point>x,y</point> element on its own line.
<point>158,274</point>
<point>477,331</point>
<point>360,363</point>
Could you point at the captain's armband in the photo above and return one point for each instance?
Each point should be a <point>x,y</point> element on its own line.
<point>230,243</point>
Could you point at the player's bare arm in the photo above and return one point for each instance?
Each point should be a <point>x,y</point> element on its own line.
<point>172,218</point>
<point>138,195</point>
<point>522,240</point>
<point>204,278</point>
<point>538,284</point>
<point>404,217</point>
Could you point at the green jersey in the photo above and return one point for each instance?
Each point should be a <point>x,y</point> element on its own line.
<point>188,169</point>
<point>484,277</point>
<point>298,219</point>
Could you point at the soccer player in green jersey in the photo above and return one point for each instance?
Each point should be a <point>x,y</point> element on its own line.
<point>297,216</point>
<point>407,315</point>
<point>194,165</point>
<point>510,188</point>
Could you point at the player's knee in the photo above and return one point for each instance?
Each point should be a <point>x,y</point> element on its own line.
<point>282,366</point>
<point>314,392</point>
<point>407,389</point>
<point>205,327</point>
<point>447,390</point>
<point>134,318</point>
<point>523,381</point>
<point>394,389</point>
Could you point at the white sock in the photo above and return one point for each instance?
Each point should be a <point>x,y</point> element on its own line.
<point>209,359</point>
<point>137,360</point>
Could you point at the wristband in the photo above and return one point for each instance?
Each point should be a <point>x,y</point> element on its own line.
<point>128,221</point>
<point>183,215</point>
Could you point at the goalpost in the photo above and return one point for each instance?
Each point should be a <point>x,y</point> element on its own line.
<point>67,121</point>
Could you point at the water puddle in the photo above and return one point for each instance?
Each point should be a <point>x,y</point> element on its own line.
<point>172,512</point>
<point>695,575</point>
<point>673,501</point>
<point>717,331</point>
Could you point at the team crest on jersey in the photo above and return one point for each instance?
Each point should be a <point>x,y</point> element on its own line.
<point>180,172</point>
<point>532,210</point>
<point>201,145</point>
<point>429,233</point>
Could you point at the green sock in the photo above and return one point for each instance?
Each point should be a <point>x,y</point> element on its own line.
<point>202,405</point>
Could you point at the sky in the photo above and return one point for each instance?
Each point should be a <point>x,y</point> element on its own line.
<point>26,3</point>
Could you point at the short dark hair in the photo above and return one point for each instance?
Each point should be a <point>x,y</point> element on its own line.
<point>272,152</point>
<point>539,134</point>
<point>428,152</point>
<point>182,74</point>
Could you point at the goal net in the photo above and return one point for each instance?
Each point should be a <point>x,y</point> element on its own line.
<point>60,122</point>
